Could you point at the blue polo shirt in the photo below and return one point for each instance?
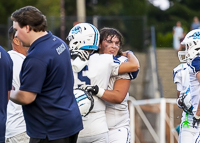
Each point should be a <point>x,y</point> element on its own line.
<point>6,69</point>
<point>47,71</point>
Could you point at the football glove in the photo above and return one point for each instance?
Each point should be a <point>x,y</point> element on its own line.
<point>82,54</point>
<point>94,90</point>
<point>184,102</point>
<point>196,120</point>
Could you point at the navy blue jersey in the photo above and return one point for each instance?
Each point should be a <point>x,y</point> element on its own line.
<point>47,71</point>
<point>6,71</point>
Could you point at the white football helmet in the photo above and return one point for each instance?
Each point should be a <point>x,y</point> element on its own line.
<point>84,100</point>
<point>192,45</point>
<point>84,36</point>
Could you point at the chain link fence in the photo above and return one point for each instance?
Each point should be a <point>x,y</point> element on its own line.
<point>134,29</point>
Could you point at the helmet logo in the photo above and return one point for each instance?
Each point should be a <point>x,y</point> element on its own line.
<point>196,35</point>
<point>76,30</point>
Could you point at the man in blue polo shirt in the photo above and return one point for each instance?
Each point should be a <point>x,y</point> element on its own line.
<point>6,66</point>
<point>46,92</point>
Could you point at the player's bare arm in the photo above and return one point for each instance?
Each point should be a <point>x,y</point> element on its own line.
<point>22,97</point>
<point>130,66</point>
<point>118,93</point>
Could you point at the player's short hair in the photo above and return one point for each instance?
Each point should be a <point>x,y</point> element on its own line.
<point>11,33</point>
<point>106,32</point>
<point>31,16</point>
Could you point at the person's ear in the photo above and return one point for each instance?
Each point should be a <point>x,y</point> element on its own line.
<point>99,46</point>
<point>28,28</point>
<point>16,41</point>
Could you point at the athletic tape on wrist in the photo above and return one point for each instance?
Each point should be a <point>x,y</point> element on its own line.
<point>101,92</point>
<point>196,116</point>
<point>129,52</point>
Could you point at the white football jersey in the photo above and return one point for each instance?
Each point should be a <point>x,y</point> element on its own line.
<point>181,77</point>
<point>117,115</point>
<point>15,119</point>
<point>194,68</point>
<point>185,78</point>
<point>97,72</point>
<point>182,80</point>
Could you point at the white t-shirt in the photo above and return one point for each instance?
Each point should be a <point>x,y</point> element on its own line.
<point>117,115</point>
<point>178,34</point>
<point>15,119</point>
<point>97,72</point>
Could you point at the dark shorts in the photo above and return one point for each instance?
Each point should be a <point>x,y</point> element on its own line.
<point>71,139</point>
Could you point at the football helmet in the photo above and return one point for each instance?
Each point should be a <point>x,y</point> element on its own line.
<point>84,36</point>
<point>84,100</point>
<point>192,45</point>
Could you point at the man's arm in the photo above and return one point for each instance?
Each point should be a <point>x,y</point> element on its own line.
<point>178,93</point>
<point>8,95</point>
<point>130,66</point>
<point>22,97</point>
<point>118,93</point>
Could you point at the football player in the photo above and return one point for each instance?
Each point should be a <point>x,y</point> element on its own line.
<point>117,114</point>
<point>192,57</point>
<point>96,71</point>
<point>181,79</point>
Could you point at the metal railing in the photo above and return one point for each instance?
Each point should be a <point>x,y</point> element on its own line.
<point>158,136</point>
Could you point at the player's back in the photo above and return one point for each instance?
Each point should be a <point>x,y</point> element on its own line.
<point>181,76</point>
<point>98,71</point>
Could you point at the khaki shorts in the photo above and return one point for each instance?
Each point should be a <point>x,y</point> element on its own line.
<point>20,138</point>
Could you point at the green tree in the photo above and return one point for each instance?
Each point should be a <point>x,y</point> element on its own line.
<point>7,7</point>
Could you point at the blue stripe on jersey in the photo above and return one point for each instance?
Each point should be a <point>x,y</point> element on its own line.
<point>116,60</point>
<point>117,56</point>
<point>188,90</point>
<point>133,75</point>
<point>96,35</point>
<point>196,141</point>
<point>193,69</point>
<point>174,73</point>
<point>128,136</point>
